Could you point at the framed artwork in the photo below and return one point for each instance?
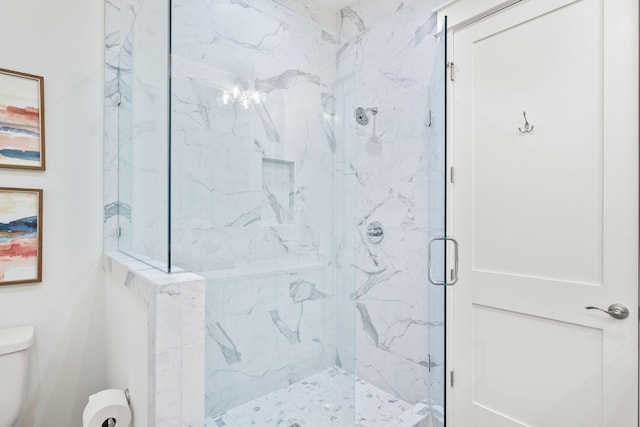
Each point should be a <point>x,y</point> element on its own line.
<point>21,120</point>
<point>20,235</point>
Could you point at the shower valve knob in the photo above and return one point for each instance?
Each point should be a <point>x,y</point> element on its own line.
<point>375,232</point>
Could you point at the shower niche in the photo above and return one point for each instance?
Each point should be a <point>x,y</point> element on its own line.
<point>278,185</point>
<point>249,164</point>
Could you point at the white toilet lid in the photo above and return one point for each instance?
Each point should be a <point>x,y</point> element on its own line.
<point>16,339</point>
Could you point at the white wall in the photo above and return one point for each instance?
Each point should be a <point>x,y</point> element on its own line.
<point>127,346</point>
<point>62,41</point>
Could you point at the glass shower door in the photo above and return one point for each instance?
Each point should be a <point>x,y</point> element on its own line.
<point>396,112</point>
<point>437,232</point>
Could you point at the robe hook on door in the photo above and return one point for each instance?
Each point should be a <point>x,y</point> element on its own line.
<point>528,128</point>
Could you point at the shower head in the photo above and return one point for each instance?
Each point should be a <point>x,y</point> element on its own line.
<point>361,115</point>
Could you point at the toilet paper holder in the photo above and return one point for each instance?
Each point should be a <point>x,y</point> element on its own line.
<point>108,408</point>
<point>111,422</point>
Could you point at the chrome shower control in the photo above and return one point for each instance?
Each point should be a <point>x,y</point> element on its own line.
<point>375,232</point>
<point>617,311</point>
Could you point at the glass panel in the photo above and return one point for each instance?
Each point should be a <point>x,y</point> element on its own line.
<point>143,137</point>
<point>254,146</point>
<point>436,226</point>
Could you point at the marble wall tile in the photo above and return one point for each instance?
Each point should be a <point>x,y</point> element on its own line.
<point>193,406</point>
<point>175,348</point>
<point>278,183</point>
<point>123,269</point>
<point>168,397</point>
<point>282,58</point>
<point>193,313</point>
<point>169,300</point>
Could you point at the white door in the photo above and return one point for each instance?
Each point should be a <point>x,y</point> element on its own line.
<point>547,221</point>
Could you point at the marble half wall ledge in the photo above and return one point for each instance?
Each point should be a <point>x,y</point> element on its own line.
<point>175,312</point>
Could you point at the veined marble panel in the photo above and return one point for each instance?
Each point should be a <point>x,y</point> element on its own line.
<point>278,182</point>
<point>242,94</point>
<point>175,308</point>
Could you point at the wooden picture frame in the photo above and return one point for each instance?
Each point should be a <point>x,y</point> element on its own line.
<point>20,235</point>
<point>22,127</point>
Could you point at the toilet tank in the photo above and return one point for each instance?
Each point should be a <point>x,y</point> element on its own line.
<point>14,362</point>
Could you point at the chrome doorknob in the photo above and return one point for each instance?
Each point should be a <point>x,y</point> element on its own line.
<point>616,310</point>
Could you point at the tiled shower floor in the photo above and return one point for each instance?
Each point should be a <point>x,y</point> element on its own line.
<point>324,399</point>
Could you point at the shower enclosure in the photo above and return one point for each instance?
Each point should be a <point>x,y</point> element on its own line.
<point>293,153</point>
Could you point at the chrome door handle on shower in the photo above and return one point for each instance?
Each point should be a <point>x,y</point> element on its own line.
<point>617,311</point>
<point>454,279</point>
